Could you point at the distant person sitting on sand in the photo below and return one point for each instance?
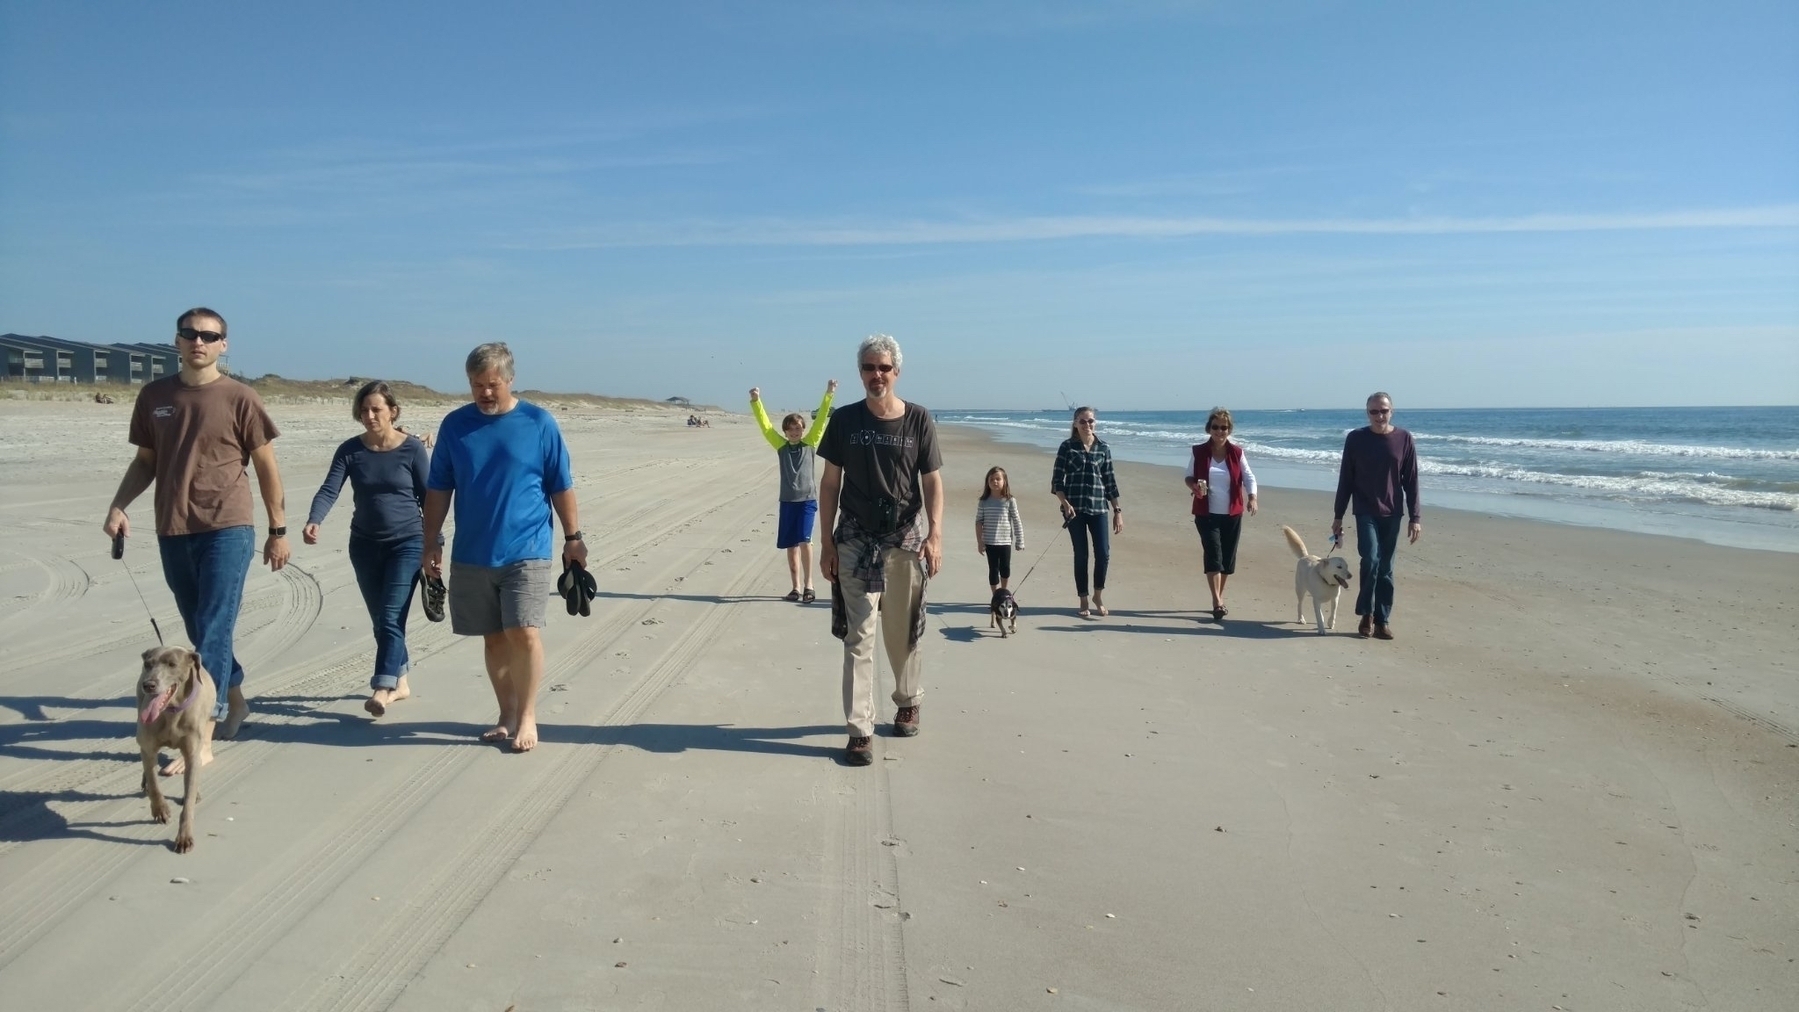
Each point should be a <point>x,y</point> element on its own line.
<point>1084,483</point>
<point>195,431</point>
<point>998,529</point>
<point>1223,487</point>
<point>1379,474</point>
<point>794,445</point>
<point>881,503</point>
<point>503,464</point>
<point>386,469</point>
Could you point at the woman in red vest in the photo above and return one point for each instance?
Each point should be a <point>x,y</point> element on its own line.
<point>1222,488</point>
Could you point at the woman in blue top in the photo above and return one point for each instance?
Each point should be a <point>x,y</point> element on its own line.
<point>387,469</point>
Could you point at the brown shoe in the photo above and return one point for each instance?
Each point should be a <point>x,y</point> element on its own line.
<point>1362,628</point>
<point>1382,632</point>
<point>860,751</point>
<point>905,722</point>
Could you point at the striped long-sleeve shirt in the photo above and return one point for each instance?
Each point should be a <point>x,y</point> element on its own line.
<point>1084,475</point>
<point>998,522</point>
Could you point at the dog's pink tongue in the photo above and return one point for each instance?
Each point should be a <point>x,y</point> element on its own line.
<point>153,707</point>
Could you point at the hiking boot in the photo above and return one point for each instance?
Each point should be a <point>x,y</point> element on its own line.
<point>1363,627</point>
<point>1383,632</point>
<point>905,722</point>
<point>860,751</point>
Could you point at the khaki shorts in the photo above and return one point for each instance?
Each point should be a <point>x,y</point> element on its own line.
<point>485,600</point>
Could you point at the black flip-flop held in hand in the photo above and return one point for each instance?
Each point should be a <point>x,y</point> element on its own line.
<point>577,587</point>
<point>435,596</point>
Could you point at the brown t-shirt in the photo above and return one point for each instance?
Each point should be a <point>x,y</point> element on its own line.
<point>202,437</point>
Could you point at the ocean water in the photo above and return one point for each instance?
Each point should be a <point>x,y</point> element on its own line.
<point>1729,476</point>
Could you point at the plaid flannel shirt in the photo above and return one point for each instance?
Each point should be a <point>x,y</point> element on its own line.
<point>1085,476</point>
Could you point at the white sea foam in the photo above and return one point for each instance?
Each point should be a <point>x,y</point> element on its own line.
<point>1620,447</point>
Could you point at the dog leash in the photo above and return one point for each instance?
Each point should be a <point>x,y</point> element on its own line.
<point>118,552</point>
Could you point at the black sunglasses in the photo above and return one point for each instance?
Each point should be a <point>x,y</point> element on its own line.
<point>880,367</point>
<point>202,336</point>
<point>1218,428</point>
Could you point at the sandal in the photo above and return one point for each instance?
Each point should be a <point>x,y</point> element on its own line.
<point>1218,614</point>
<point>792,595</point>
<point>435,596</point>
<point>808,597</point>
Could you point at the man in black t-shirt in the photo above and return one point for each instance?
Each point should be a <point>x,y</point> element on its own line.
<point>880,506</point>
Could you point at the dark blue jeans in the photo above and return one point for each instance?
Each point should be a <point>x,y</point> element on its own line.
<point>387,572</point>
<point>1376,539</point>
<point>1098,526</point>
<point>206,574</point>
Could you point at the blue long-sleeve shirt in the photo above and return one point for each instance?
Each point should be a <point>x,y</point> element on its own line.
<point>388,488</point>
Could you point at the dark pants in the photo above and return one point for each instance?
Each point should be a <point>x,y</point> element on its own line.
<point>1218,537</point>
<point>999,564</point>
<point>387,573</point>
<point>206,574</point>
<point>1098,527</point>
<point>1376,539</point>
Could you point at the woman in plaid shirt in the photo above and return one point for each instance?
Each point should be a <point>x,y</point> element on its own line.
<point>1088,490</point>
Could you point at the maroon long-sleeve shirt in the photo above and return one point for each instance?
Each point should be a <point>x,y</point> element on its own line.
<point>1377,471</point>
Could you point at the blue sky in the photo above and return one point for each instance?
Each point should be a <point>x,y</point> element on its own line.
<point>1145,204</point>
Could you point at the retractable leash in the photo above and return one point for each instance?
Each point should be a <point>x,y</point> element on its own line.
<point>118,552</point>
<point>1336,543</point>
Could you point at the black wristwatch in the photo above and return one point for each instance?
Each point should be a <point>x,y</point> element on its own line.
<point>572,537</point>
<point>277,532</point>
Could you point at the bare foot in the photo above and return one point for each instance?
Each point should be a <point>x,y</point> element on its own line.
<point>1084,611</point>
<point>498,732</point>
<point>377,702</point>
<point>527,736</point>
<point>401,691</point>
<point>178,765</point>
<point>238,709</point>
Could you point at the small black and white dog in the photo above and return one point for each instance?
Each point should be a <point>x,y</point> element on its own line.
<point>1004,611</point>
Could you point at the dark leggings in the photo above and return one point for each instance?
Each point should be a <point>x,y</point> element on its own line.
<point>1096,526</point>
<point>999,564</point>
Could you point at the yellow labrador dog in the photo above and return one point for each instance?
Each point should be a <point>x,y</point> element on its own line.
<point>1321,578</point>
<point>174,701</point>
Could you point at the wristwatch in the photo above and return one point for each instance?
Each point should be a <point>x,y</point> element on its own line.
<point>277,532</point>
<point>572,537</point>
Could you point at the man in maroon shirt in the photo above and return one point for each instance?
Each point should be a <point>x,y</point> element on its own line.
<point>1380,473</point>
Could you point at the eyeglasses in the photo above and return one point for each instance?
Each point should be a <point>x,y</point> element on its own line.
<point>202,336</point>
<point>1380,411</point>
<point>881,367</point>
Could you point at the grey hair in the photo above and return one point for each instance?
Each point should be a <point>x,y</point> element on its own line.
<point>1379,395</point>
<point>880,344</point>
<point>493,355</point>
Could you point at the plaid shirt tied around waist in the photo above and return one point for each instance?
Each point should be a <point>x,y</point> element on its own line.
<point>863,555</point>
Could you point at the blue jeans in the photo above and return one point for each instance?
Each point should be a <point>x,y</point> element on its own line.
<point>1376,539</point>
<point>206,574</point>
<point>387,573</point>
<point>1098,527</point>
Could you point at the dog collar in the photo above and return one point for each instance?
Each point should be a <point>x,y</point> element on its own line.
<point>195,691</point>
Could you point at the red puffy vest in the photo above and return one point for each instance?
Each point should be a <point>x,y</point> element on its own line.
<point>1202,467</point>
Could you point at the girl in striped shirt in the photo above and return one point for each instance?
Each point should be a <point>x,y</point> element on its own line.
<point>998,529</point>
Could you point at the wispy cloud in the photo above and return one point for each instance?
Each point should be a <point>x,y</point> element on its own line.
<point>776,232</point>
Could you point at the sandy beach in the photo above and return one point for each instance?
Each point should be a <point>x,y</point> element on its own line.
<point>1571,783</point>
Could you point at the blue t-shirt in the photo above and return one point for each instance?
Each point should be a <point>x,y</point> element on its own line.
<point>503,470</point>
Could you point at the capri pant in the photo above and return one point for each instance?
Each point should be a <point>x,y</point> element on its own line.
<point>1218,533</point>
<point>999,564</point>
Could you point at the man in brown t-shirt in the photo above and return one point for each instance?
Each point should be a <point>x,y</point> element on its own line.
<point>195,432</point>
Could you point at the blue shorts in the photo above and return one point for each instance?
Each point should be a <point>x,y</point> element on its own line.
<point>796,523</point>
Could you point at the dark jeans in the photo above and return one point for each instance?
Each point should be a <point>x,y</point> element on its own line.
<point>1098,526</point>
<point>206,574</point>
<point>1376,539</point>
<point>387,572</point>
<point>999,564</point>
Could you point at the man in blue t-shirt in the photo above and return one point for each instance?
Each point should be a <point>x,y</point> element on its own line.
<point>504,464</point>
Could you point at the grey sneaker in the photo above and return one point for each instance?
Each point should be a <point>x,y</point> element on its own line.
<point>905,722</point>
